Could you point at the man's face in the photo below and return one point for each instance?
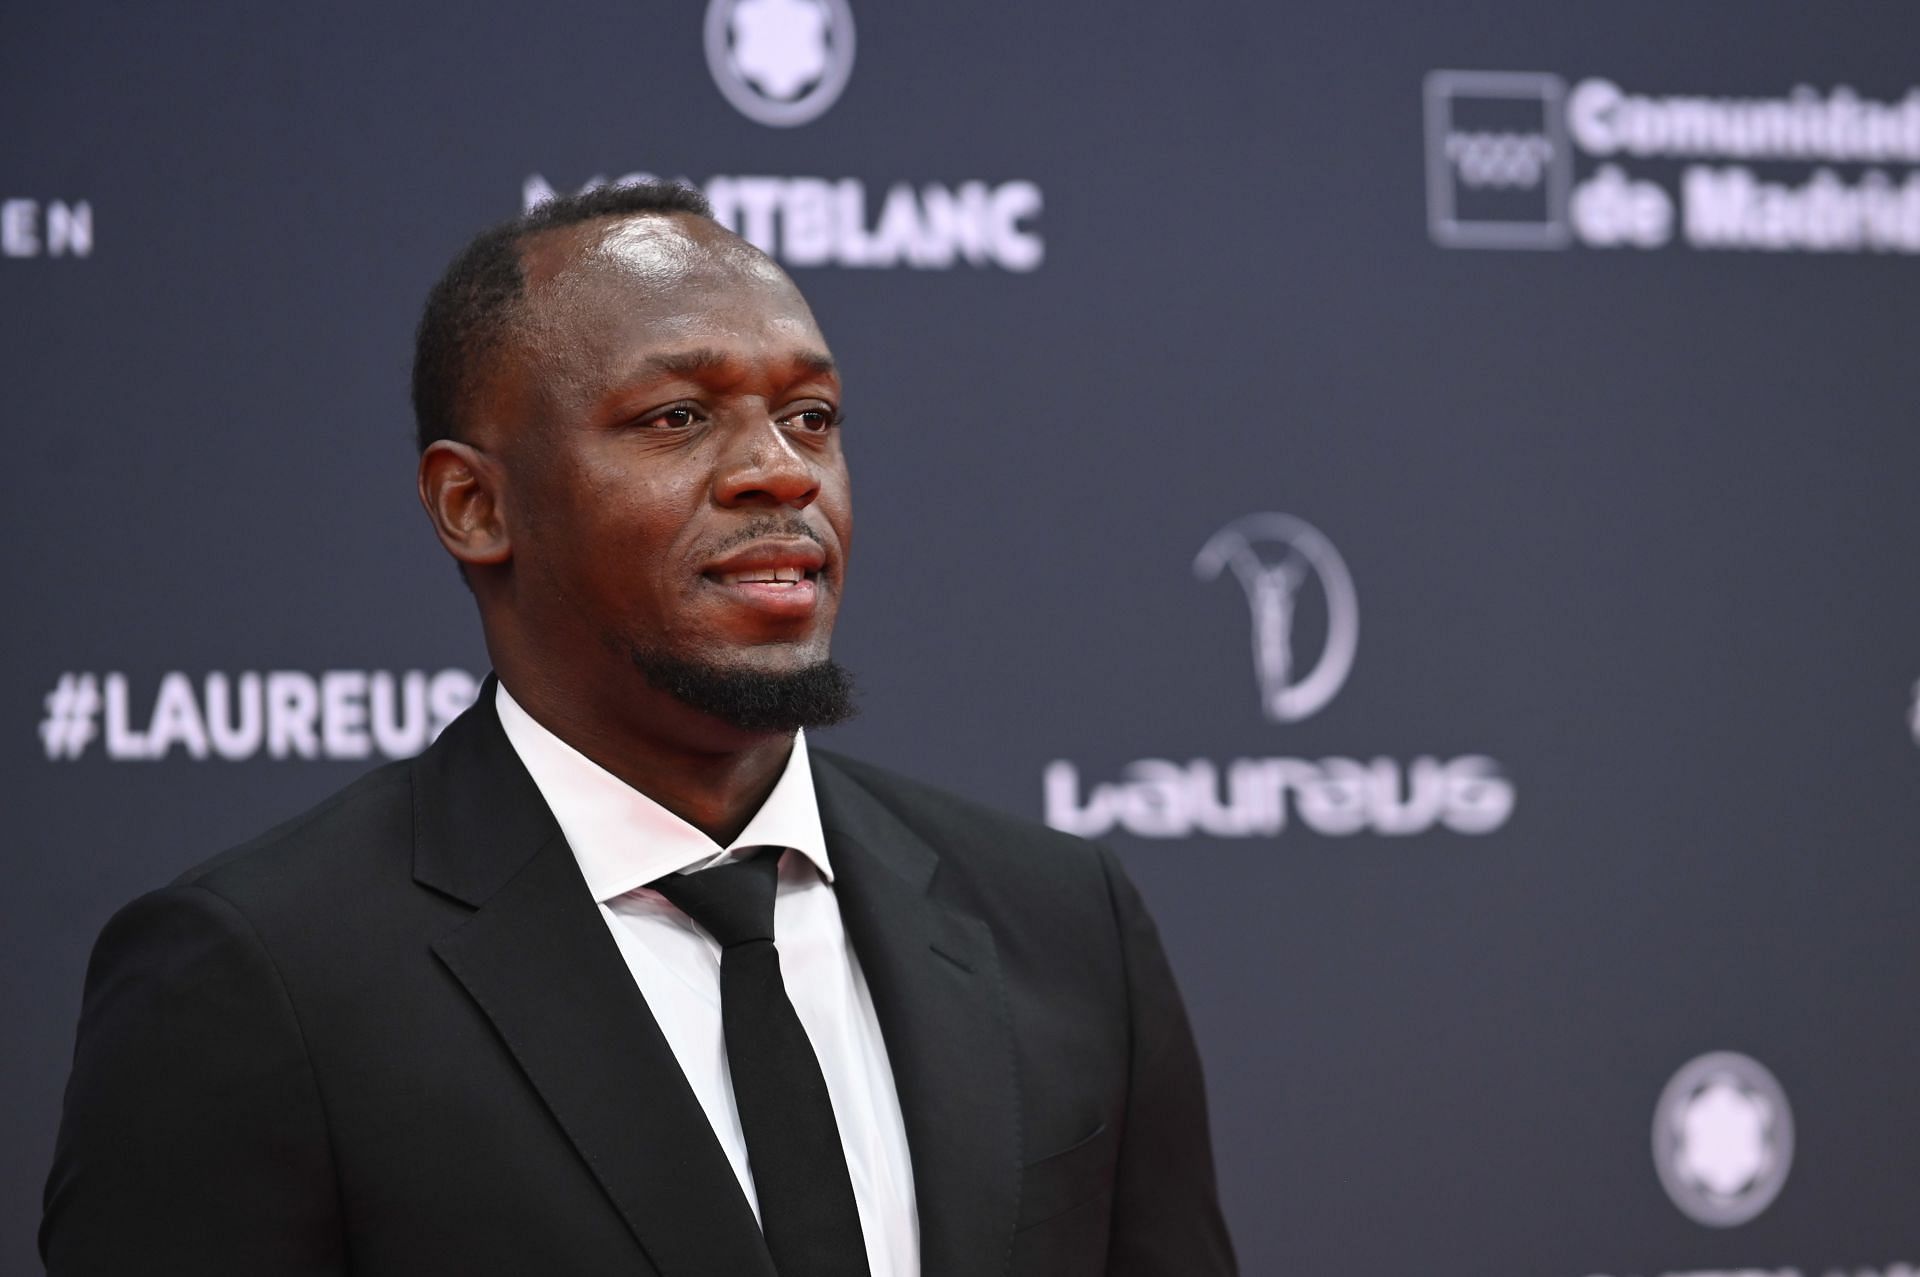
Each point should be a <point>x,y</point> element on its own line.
<point>669,428</point>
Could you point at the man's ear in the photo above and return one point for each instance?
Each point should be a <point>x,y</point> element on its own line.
<point>462,490</point>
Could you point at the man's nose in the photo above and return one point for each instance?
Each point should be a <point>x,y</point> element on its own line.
<point>762,466</point>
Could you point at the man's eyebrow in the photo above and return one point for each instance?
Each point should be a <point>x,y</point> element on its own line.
<point>682,363</point>
<point>695,363</point>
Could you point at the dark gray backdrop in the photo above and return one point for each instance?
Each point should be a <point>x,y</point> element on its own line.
<point>1634,524</point>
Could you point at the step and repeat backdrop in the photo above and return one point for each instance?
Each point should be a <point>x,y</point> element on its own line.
<point>1433,486</point>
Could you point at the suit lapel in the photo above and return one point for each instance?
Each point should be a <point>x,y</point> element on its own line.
<point>538,960</point>
<point>937,990</point>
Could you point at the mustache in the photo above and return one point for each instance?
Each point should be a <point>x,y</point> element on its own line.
<point>763,526</point>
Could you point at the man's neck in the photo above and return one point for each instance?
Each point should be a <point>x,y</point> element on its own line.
<point>710,775</point>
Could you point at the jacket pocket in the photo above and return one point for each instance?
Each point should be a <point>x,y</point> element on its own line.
<point>1061,1181</point>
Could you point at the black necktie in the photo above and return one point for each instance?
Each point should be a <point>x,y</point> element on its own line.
<point>793,1144</point>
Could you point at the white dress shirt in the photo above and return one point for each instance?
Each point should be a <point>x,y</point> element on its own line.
<point>624,840</point>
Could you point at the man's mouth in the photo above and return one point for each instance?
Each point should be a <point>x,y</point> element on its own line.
<point>765,576</point>
<point>780,577</point>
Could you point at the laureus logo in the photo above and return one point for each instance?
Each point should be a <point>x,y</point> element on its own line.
<point>1722,1139</point>
<point>1306,627</point>
<point>780,62</point>
<point>1276,557</point>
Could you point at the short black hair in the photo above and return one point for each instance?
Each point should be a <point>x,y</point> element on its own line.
<point>471,306</point>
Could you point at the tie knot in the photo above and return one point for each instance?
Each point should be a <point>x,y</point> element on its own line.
<point>733,903</point>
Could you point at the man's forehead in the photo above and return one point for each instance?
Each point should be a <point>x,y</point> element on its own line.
<point>653,252</point>
<point>631,299</point>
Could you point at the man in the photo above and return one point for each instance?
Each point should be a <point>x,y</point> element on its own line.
<point>618,976</point>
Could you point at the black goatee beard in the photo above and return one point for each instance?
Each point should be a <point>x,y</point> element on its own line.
<point>751,700</point>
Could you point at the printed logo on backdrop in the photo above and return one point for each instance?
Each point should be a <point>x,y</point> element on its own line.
<point>1290,688</point>
<point>1520,160</point>
<point>1498,164</point>
<point>819,222</point>
<point>336,714</point>
<point>1722,1139</point>
<point>1304,619</point>
<point>45,228</point>
<point>783,63</point>
<point>780,62</point>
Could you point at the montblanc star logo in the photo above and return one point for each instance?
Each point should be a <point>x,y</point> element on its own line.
<point>781,62</point>
<point>1722,1139</point>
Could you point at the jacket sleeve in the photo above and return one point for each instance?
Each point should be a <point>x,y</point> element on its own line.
<point>1166,1209</point>
<point>192,1139</point>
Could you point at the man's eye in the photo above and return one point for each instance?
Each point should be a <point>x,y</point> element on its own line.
<point>672,419</point>
<point>815,420</point>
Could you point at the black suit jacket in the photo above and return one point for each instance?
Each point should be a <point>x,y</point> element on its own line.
<point>394,1036</point>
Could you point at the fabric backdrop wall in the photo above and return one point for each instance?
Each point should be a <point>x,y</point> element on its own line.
<point>1432,485</point>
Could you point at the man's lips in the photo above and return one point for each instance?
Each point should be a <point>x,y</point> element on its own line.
<point>781,577</point>
<point>785,556</point>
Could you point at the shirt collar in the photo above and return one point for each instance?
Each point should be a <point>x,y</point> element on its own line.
<point>623,839</point>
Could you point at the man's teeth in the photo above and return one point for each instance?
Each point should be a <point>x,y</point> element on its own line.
<point>773,576</point>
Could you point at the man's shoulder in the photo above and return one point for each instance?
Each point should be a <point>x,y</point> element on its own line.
<point>369,820</point>
<point>920,803</point>
<point>953,823</point>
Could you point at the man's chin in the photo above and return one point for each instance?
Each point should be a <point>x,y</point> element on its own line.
<point>750,697</point>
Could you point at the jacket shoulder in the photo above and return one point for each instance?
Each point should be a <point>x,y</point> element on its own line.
<point>315,849</point>
<point>949,820</point>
